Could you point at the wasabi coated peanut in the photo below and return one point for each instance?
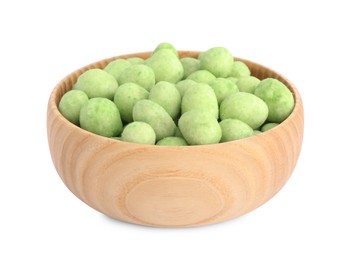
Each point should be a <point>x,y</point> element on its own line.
<point>166,45</point>
<point>246,107</point>
<point>166,65</point>
<point>268,126</point>
<point>150,95</point>
<point>116,67</point>
<point>156,116</point>
<point>172,141</point>
<point>202,76</point>
<point>101,116</point>
<point>97,83</point>
<point>184,85</point>
<point>201,97</point>
<point>190,65</point>
<point>223,88</point>
<point>278,98</point>
<point>125,98</point>
<point>71,103</point>
<point>248,84</point>
<point>217,60</point>
<point>136,60</point>
<point>199,127</point>
<point>239,69</point>
<point>234,129</point>
<point>167,95</point>
<point>139,132</point>
<point>139,74</point>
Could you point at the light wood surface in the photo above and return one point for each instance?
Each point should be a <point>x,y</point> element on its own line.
<point>173,186</point>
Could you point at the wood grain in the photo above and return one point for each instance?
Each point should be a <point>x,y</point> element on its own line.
<point>173,186</point>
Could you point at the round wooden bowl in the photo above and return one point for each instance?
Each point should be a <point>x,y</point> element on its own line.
<point>173,186</point>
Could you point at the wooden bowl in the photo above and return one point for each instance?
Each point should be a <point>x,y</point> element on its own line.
<point>173,186</point>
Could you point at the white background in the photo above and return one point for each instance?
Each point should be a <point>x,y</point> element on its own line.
<point>42,41</point>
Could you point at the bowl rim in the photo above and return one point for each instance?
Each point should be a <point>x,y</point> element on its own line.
<point>54,101</point>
